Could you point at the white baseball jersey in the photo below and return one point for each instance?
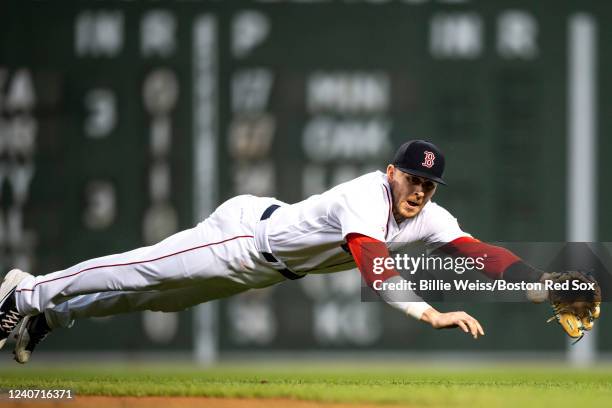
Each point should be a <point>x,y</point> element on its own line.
<point>308,236</point>
<point>223,255</point>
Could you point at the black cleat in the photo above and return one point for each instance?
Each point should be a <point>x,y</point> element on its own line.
<point>31,331</point>
<point>9,316</point>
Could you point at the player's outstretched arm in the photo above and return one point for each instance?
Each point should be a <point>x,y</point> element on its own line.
<point>575,311</point>
<point>451,320</point>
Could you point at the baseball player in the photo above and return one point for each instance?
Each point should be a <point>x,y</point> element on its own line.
<point>253,242</point>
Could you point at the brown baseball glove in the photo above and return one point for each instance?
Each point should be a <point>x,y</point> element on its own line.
<point>575,298</point>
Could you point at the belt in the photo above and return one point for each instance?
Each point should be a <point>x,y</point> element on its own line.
<point>271,258</point>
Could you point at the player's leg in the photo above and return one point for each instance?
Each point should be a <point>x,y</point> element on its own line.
<point>112,303</point>
<point>172,263</point>
<point>34,329</point>
<point>222,246</point>
<point>178,261</point>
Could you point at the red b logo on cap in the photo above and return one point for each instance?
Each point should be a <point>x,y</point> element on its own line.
<point>429,160</point>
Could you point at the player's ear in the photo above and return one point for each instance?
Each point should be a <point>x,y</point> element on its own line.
<point>390,172</point>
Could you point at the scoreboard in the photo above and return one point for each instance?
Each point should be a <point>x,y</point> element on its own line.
<point>122,122</point>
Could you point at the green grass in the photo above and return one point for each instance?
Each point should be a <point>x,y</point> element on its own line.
<point>413,385</point>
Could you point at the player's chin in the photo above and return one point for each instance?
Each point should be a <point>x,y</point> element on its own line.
<point>411,211</point>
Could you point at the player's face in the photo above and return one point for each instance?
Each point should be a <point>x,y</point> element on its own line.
<point>410,193</point>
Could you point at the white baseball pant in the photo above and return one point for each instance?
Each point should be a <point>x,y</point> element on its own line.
<point>217,258</point>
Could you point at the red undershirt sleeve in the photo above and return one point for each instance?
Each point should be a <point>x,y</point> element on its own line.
<point>499,263</point>
<point>365,250</point>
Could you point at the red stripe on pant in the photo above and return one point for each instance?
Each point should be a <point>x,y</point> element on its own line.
<point>136,262</point>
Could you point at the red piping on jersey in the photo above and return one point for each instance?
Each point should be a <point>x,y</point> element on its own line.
<point>137,262</point>
<point>390,206</point>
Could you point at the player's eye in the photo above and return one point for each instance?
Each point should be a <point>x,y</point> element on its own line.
<point>414,180</point>
<point>428,185</point>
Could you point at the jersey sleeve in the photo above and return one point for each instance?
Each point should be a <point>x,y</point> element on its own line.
<point>362,208</point>
<point>440,227</point>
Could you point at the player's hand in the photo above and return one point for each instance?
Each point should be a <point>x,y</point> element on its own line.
<point>451,320</point>
<point>539,295</point>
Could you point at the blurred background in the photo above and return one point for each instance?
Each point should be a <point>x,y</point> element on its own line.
<point>122,122</point>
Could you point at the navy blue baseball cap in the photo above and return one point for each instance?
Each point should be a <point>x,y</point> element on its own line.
<point>420,158</point>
